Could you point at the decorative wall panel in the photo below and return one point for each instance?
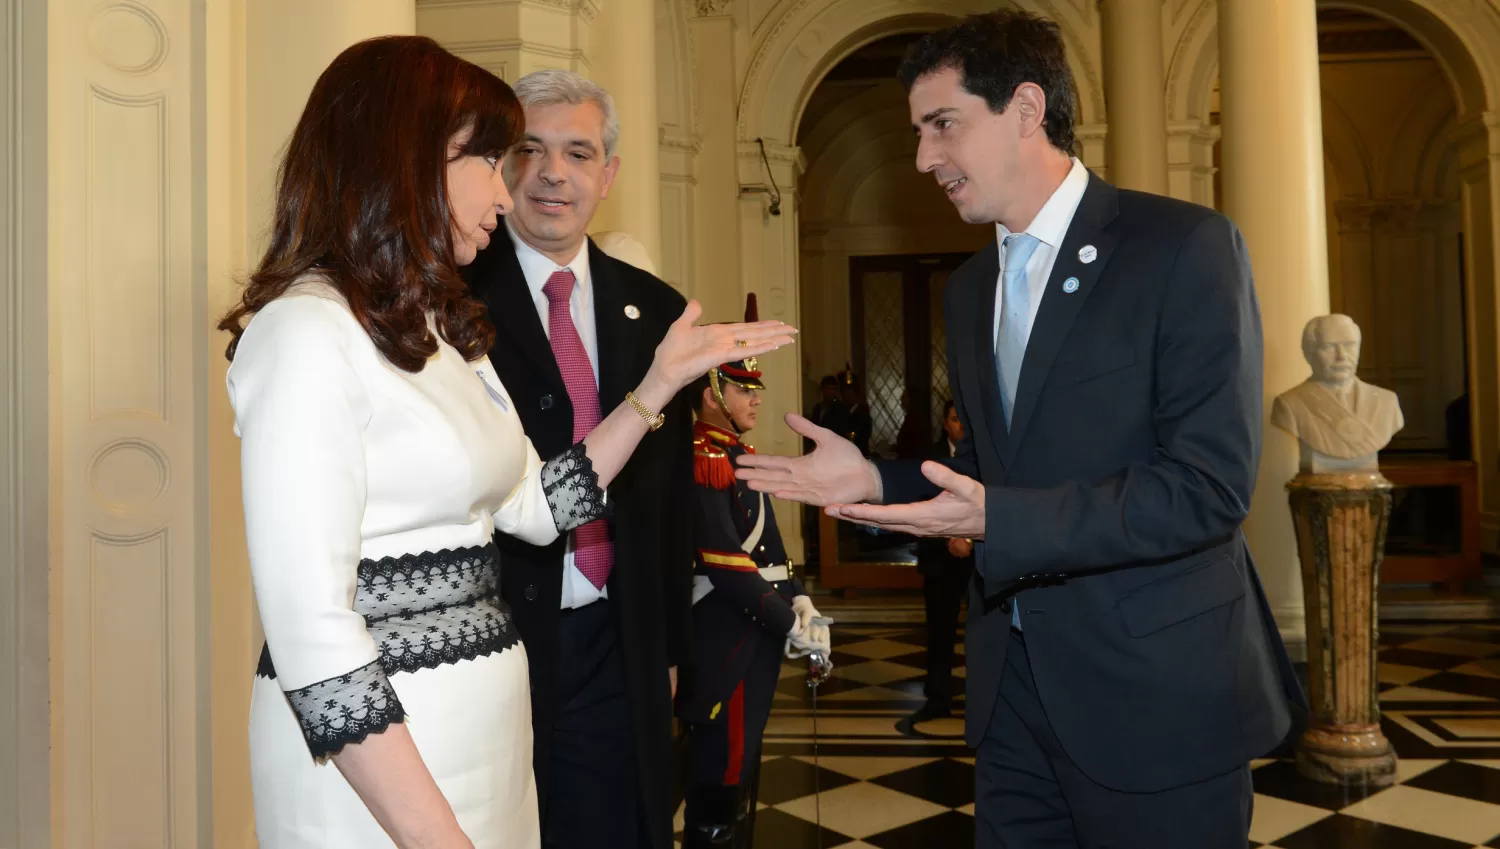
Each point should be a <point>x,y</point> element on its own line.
<point>124,196</point>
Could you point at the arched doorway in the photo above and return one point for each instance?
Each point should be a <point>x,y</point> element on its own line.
<point>864,198</point>
<point>799,50</point>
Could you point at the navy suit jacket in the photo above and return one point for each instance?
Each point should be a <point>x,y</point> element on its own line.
<point>1114,500</point>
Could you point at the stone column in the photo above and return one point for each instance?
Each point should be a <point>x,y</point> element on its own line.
<point>622,52</point>
<point>1135,94</point>
<point>1092,144</point>
<point>1190,161</point>
<point>716,231</point>
<point>1478,143</point>
<point>1273,189</point>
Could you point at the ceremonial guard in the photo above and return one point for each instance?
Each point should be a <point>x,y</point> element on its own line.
<point>748,611</point>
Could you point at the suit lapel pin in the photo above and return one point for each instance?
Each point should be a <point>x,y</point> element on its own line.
<point>1071,285</point>
<point>632,311</point>
<point>1087,254</point>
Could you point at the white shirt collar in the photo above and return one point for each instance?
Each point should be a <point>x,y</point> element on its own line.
<point>1051,223</point>
<point>537,267</point>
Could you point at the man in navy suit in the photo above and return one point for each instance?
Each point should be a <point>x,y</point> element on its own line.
<point>1105,358</point>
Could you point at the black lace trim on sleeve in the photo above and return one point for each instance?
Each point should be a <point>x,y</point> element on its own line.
<point>346,709</point>
<point>572,489</point>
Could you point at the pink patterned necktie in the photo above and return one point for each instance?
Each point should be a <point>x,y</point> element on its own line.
<point>593,553</point>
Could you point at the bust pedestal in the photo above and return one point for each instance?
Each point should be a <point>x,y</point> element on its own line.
<point>1341,523</point>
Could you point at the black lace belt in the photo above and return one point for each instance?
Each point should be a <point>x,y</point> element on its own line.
<point>423,610</point>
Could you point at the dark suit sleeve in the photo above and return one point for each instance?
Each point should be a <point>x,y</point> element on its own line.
<point>731,570</point>
<point>902,481</point>
<point>1195,490</point>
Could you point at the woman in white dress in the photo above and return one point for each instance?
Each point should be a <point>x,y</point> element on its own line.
<point>379,455</point>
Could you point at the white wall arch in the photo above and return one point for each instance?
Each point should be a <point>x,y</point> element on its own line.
<point>809,38</point>
<point>1193,68</point>
<point>1422,136</point>
<point>817,138</point>
<point>1346,158</point>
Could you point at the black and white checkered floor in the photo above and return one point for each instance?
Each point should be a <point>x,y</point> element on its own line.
<point>1440,696</point>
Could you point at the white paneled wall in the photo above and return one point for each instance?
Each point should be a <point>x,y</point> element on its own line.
<point>126,348</point>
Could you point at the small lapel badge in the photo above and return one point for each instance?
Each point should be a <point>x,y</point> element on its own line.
<point>1071,284</point>
<point>632,311</point>
<point>1087,254</point>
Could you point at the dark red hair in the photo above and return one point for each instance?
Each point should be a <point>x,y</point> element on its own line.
<point>362,195</point>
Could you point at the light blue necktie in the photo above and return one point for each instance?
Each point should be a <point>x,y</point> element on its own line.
<point>1010,346</point>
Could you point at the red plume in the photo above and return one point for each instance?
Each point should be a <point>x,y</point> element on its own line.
<point>752,312</point>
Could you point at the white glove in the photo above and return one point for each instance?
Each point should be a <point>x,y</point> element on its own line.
<point>816,637</point>
<point>802,606</point>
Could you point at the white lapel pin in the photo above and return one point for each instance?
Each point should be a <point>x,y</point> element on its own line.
<point>1070,285</point>
<point>632,311</point>
<point>1088,253</point>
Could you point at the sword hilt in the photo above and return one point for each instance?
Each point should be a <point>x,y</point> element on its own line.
<point>819,667</point>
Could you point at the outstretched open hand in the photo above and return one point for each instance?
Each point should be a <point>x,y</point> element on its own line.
<point>689,350</point>
<point>957,511</point>
<point>834,473</point>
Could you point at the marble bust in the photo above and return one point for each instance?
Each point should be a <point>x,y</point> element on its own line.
<point>1340,421</point>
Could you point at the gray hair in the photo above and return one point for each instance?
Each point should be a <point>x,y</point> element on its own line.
<point>552,85</point>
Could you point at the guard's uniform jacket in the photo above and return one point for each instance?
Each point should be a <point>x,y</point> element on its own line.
<point>742,612</point>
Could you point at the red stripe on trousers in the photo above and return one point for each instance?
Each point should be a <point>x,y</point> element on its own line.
<point>736,722</point>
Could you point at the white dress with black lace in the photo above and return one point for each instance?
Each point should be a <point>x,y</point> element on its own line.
<point>371,495</point>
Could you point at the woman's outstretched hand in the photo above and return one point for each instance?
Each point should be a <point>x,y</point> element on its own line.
<point>689,350</point>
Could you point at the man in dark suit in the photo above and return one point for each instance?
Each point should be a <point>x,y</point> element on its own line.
<point>947,565</point>
<point>605,612</point>
<point>1105,358</point>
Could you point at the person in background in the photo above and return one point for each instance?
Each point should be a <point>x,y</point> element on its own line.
<point>860,426</point>
<point>748,610</point>
<point>830,411</point>
<point>947,566</point>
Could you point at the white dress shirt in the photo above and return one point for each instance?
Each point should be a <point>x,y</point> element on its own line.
<point>1049,227</point>
<point>577,591</point>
